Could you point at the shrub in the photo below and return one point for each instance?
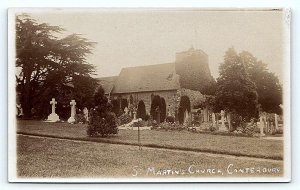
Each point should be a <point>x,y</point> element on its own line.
<point>124,119</point>
<point>237,121</point>
<point>171,126</point>
<point>170,119</point>
<point>250,128</point>
<point>79,118</point>
<point>147,117</point>
<point>154,124</point>
<point>212,128</point>
<point>102,121</point>
<point>279,131</point>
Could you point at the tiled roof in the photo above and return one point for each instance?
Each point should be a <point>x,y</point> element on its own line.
<point>107,83</point>
<point>147,78</point>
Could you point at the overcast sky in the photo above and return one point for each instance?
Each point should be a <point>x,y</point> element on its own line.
<point>142,37</point>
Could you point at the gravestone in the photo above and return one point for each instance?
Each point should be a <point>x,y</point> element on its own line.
<point>223,127</point>
<point>86,113</point>
<point>73,112</point>
<point>186,116</point>
<point>276,122</point>
<point>213,117</point>
<point>169,111</point>
<point>261,126</point>
<point>126,110</point>
<point>53,117</point>
<point>134,113</point>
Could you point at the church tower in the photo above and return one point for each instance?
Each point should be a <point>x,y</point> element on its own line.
<point>193,69</point>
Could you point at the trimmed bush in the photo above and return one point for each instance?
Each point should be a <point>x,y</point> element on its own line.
<point>141,110</point>
<point>102,122</point>
<point>163,109</point>
<point>184,105</point>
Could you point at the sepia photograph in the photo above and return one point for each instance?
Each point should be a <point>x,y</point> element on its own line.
<point>149,95</point>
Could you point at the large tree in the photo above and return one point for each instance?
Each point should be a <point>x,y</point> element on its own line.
<point>269,89</point>
<point>235,90</point>
<point>50,66</point>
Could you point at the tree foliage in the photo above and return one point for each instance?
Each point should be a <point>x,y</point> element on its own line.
<point>102,120</point>
<point>268,87</point>
<point>51,67</point>
<point>235,90</point>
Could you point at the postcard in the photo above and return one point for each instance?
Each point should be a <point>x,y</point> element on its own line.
<point>149,95</point>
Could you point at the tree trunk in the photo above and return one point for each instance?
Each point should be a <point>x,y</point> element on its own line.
<point>229,121</point>
<point>26,94</point>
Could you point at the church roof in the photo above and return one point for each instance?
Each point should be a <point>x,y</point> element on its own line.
<point>147,78</point>
<point>107,83</point>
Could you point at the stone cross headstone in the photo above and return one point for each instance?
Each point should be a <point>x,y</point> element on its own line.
<point>86,113</point>
<point>53,117</point>
<point>73,112</point>
<point>222,127</point>
<point>126,110</point>
<point>261,126</point>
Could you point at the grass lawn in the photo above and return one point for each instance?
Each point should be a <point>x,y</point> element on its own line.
<point>184,140</point>
<point>54,158</point>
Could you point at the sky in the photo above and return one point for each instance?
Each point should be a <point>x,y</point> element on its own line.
<point>133,37</point>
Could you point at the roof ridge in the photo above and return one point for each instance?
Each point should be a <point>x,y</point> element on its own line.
<point>138,66</point>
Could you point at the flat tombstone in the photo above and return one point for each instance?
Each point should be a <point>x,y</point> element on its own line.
<point>73,112</point>
<point>53,117</point>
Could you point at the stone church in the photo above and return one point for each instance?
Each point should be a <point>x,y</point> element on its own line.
<point>188,76</point>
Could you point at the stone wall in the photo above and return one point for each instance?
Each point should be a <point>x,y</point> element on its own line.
<point>169,96</point>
